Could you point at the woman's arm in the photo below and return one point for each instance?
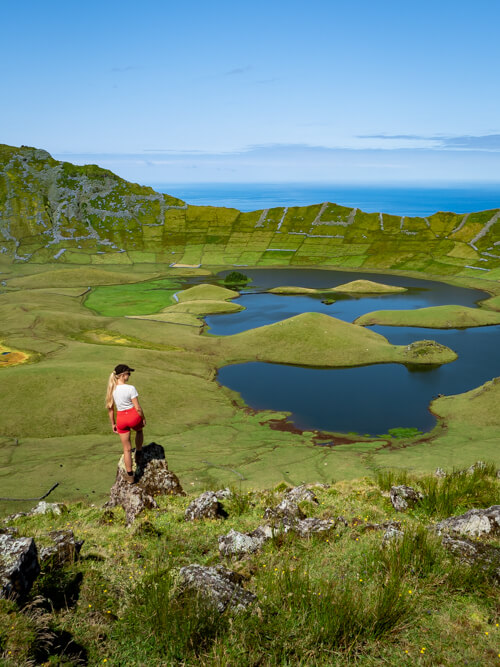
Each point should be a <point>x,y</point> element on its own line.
<point>111,413</point>
<point>137,406</point>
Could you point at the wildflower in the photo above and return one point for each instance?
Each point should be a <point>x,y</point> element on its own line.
<point>410,592</point>
<point>90,606</point>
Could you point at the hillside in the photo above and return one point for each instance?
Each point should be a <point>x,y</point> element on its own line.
<point>53,211</point>
<point>341,573</point>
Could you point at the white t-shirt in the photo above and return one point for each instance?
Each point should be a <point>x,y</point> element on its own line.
<point>123,395</point>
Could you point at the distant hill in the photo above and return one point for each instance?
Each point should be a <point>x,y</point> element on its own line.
<point>52,211</point>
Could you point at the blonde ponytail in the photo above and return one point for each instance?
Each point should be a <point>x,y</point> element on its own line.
<point>113,379</point>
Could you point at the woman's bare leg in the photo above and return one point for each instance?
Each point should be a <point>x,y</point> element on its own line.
<point>139,439</point>
<point>127,457</point>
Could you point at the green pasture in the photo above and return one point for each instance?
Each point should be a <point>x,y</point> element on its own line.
<point>55,427</point>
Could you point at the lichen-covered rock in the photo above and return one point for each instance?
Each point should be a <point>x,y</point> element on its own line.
<point>153,475</point>
<point>131,497</point>
<point>386,525</point>
<point>206,506</point>
<point>478,465</point>
<point>238,544</point>
<point>392,533</point>
<point>473,523</point>
<point>65,549</point>
<point>224,494</point>
<point>19,566</point>
<point>486,556</point>
<point>49,508</point>
<point>220,586</point>
<point>287,509</point>
<point>440,473</point>
<point>301,494</point>
<point>311,526</point>
<point>403,497</point>
<point>153,479</point>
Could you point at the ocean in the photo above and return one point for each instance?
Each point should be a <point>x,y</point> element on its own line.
<point>396,199</point>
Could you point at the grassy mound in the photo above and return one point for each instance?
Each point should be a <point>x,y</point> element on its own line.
<point>368,287</point>
<point>204,306</point>
<point>435,317</point>
<point>206,292</point>
<point>328,600</point>
<point>315,339</point>
<point>294,290</point>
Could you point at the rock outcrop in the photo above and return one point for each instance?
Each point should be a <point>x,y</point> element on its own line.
<point>239,544</point>
<point>206,506</point>
<point>404,497</point>
<point>65,549</point>
<point>300,494</point>
<point>287,510</point>
<point>153,479</point>
<point>221,587</point>
<point>19,566</point>
<point>474,523</point>
<point>485,556</point>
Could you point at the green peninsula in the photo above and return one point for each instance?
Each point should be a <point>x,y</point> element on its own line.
<point>434,317</point>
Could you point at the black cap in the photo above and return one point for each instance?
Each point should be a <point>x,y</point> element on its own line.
<point>123,368</point>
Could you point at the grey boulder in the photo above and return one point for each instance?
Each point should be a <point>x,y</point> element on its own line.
<point>64,550</point>
<point>219,586</point>
<point>153,479</point>
<point>474,523</point>
<point>238,544</point>
<point>404,497</point>
<point>19,566</point>
<point>205,506</point>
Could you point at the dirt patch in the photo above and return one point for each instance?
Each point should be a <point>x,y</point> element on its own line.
<point>9,357</point>
<point>319,438</point>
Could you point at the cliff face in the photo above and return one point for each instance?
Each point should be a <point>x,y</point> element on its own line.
<point>48,208</point>
<point>53,211</point>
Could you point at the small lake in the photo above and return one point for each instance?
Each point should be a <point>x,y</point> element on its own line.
<point>368,399</point>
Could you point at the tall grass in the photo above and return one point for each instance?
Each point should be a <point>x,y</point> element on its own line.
<point>459,490</point>
<point>298,620</point>
<point>444,496</point>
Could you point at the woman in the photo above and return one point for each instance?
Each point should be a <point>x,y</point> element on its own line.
<point>129,415</point>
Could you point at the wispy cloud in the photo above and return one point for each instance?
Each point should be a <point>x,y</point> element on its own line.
<point>485,142</point>
<point>238,70</point>
<point>126,68</point>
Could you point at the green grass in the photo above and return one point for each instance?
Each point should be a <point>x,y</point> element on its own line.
<point>445,496</point>
<point>136,299</point>
<point>336,599</point>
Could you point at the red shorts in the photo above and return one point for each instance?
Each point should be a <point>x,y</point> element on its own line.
<point>127,419</point>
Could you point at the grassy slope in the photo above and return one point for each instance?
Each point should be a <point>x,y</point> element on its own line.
<point>435,317</point>
<point>336,599</point>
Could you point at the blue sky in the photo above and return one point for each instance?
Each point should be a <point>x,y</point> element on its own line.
<point>335,91</point>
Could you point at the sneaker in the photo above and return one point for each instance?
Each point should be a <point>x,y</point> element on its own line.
<point>130,477</point>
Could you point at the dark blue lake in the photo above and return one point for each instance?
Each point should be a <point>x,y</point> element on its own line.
<point>368,399</point>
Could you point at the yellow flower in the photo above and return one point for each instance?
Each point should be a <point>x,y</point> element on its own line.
<point>410,592</point>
